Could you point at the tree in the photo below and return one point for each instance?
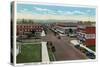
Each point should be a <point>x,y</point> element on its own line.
<point>23,21</point>
<point>33,32</point>
<point>70,31</point>
<point>30,21</point>
<point>53,49</point>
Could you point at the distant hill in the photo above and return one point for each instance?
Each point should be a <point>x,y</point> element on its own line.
<point>45,21</point>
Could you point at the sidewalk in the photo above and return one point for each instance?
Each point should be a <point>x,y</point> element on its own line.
<point>45,56</point>
<point>87,49</point>
<point>75,42</point>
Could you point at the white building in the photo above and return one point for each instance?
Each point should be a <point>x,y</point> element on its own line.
<point>66,28</point>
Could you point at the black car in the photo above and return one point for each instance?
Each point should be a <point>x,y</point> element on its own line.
<point>77,46</point>
<point>59,37</point>
<point>90,55</point>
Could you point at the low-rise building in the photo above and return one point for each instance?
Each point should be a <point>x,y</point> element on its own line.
<point>23,28</point>
<point>86,34</point>
<point>66,28</point>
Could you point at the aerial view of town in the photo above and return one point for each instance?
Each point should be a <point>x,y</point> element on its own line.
<point>49,33</point>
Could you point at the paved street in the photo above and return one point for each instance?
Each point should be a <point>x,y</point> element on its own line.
<point>64,49</point>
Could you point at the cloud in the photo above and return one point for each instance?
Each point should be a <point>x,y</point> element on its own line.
<point>78,12</point>
<point>71,12</point>
<point>45,10</point>
<point>41,9</point>
<point>64,12</point>
<point>24,10</point>
<point>88,11</point>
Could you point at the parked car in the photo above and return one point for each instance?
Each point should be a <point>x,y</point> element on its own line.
<point>72,35</point>
<point>59,37</point>
<point>77,46</point>
<point>90,55</point>
<point>49,43</point>
<point>53,49</point>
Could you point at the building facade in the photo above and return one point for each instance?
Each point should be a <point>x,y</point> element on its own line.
<point>64,28</point>
<point>23,28</point>
<point>87,34</point>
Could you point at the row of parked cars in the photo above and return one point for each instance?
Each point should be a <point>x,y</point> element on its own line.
<point>90,55</point>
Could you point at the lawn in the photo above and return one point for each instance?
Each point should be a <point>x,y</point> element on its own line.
<point>29,53</point>
<point>92,48</point>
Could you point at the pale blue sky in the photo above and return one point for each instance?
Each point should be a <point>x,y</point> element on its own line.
<point>43,12</point>
<point>55,10</point>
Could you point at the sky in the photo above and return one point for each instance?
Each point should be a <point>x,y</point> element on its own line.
<point>45,12</point>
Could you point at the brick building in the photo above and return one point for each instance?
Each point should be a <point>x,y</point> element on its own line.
<point>22,28</point>
<point>87,34</point>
